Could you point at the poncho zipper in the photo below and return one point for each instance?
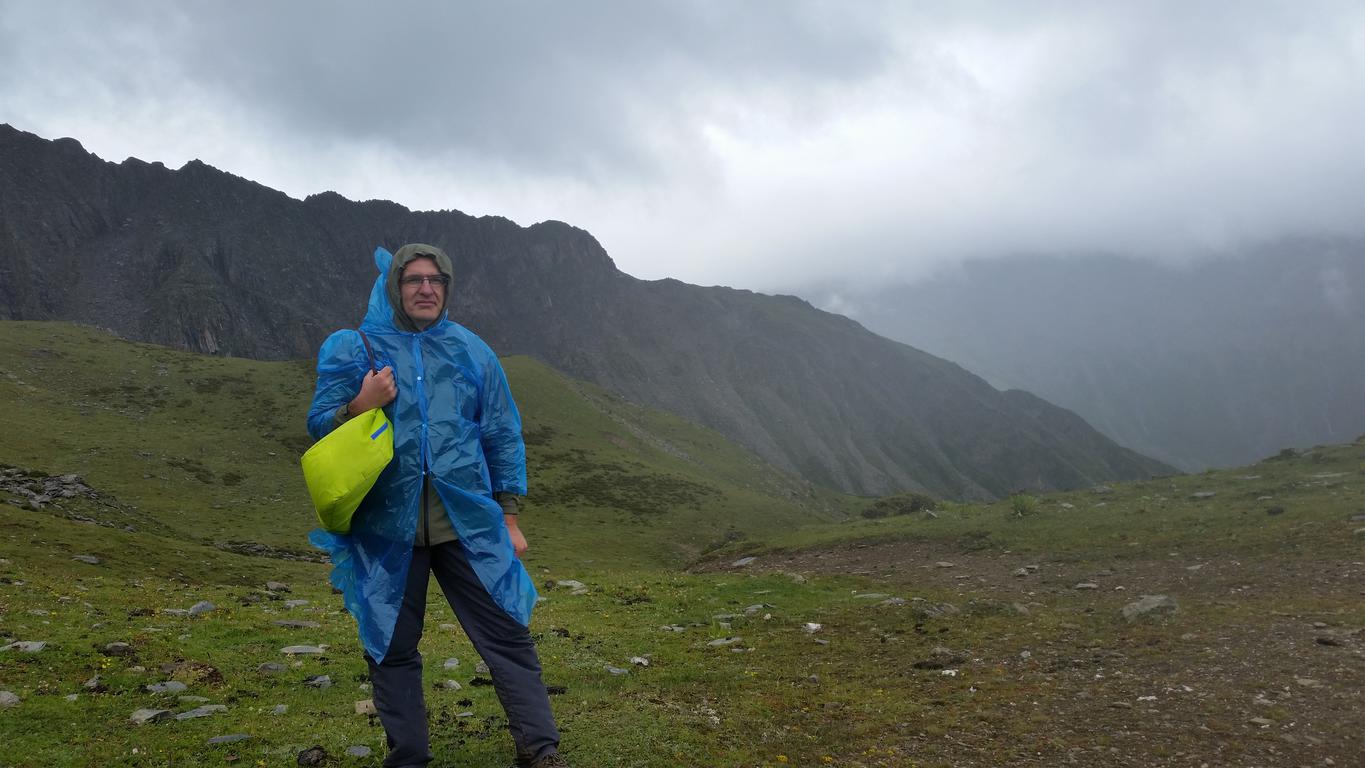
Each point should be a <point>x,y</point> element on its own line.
<point>426,440</point>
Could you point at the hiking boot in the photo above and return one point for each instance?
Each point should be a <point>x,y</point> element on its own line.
<point>552,760</point>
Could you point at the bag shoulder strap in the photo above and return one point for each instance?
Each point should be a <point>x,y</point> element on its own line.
<point>368,349</point>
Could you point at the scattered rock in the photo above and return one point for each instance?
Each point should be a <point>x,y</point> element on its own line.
<point>193,700</point>
<point>276,586</point>
<point>365,707</point>
<point>314,755</point>
<point>144,716</point>
<point>296,624</point>
<point>202,607</point>
<point>8,699</point>
<point>319,681</point>
<point>893,601</point>
<point>872,596</point>
<point>1203,494</point>
<point>270,668</point>
<point>203,711</point>
<point>1149,605</point>
<point>1328,641</point>
<point>574,586</point>
<point>1273,511</point>
<point>743,561</point>
<point>944,564</point>
<point>927,610</point>
<point>94,685</point>
<point>724,641</point>
<point>450,664</point>
<point>812,627</point>
<point>118,649</point>
<point>1086,585</point>
<point>169,686</point>
<point>25,646</point>
<point>1021,572</point>
<point>639,661</point>
<point>358,750</point>
<point>231,738</point>
<point>450,685</point>
<point>295,603</point>
<point>87,559</point>
<point>1101,489</point>
<point>481,668</point>
<point>1261,722</point>
<point>298,650</point>
<point>280,709</point>
<point>617,670</point>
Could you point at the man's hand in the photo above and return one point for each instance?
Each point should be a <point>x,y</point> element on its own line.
<point>376,391</point>
<point>514,531</point>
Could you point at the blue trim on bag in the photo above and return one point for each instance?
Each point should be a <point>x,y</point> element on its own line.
<point>379,431</point>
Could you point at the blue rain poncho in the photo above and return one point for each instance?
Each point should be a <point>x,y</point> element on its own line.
<point>454,416</point>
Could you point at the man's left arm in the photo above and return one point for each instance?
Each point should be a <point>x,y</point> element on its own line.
<point>503,447</point>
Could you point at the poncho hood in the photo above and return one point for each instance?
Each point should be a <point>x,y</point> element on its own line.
<point>393,291</point>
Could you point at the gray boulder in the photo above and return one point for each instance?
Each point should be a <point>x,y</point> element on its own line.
<point>1149,606</point>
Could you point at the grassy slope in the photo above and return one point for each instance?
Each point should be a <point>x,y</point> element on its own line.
<point>1293,505</point>
<point>781,700</point>
<point>207,449</point>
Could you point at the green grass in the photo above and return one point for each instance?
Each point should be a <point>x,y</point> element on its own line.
<point>190,452</point>
<point>1311,497</point>
<point>206,449</point>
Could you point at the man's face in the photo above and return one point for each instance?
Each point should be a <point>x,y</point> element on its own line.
<point>422,299</point>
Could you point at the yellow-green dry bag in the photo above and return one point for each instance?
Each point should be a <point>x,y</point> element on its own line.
<point>342,467</point>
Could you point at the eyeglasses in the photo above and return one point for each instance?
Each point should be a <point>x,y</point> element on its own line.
<point>435,281</point>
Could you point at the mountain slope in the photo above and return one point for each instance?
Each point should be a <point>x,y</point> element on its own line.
<point>206,449</point>
<point>202,260</point>
<point>1219,363</point>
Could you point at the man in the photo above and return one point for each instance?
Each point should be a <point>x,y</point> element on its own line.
<point>446,504</point>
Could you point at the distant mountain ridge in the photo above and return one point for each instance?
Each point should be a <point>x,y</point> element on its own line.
<point>1218,363</point>
<point>199,259</point>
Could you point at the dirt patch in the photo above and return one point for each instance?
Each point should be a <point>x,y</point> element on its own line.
<point>1263,664</point>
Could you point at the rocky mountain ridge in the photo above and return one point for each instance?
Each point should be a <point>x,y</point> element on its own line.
<point>199,259</point>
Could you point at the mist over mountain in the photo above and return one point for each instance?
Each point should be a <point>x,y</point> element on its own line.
<point>200,259</point>
<point>1216,363</point>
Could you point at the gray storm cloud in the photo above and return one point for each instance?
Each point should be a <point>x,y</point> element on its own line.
<point>761,144</point>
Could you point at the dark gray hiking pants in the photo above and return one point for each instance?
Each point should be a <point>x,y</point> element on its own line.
<point>504,644</point>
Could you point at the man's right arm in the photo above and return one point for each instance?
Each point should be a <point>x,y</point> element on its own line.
<point>339,381</point>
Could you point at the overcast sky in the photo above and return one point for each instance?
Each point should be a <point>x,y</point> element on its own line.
<point>741,142</point>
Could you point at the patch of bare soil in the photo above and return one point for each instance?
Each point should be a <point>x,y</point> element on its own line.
<point>1263,663</point>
